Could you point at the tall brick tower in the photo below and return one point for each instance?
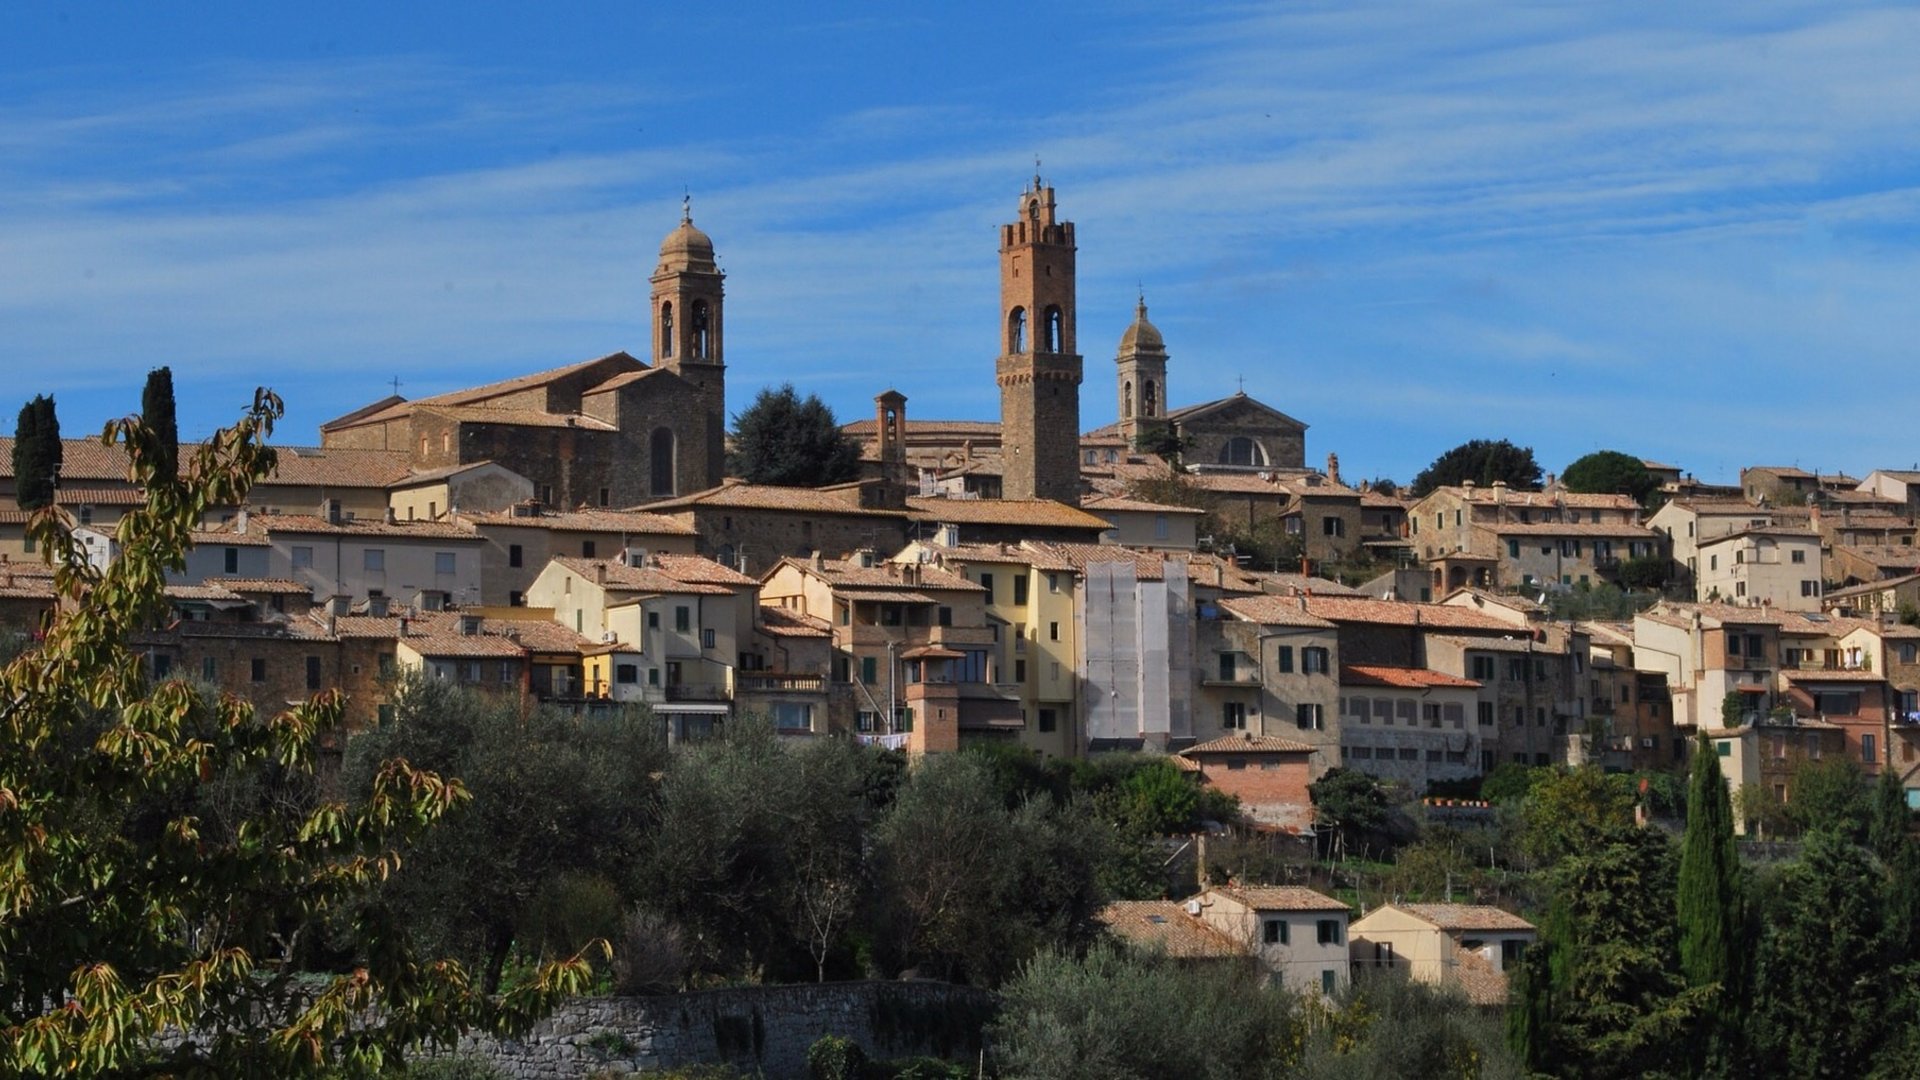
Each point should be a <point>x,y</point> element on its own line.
<point>1142,363</point>
<point>1038,370</point>
<point>687,331</point>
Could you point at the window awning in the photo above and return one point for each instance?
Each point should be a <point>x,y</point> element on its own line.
<point>705,708</point>
<point>1751,689</point>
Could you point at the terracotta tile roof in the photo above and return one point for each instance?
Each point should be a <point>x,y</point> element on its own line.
<point>539,635</point>
<point>1024,554</point>
<point>1283,583</point>
<point>1098,503</point>
<point>416,477</point>
<point>260,585</point>
<point>1781,470</point>
<point>439,634</point>
<point>1404,613</point>
<point>1478,979</point>
<point>315,466</point>
<point>1037,512</point>
<point>1274,611</point>
<point>1282,898</point>
<point>740,495</point>
<point>1521,643</point>
<point>1865,520</point>
<point>641,579</point>
<point>204,593</point>
<point>784,622</point>
<point>1401,677</point>
<point>1165,926</point>
<point>1806,675</point>
<point>490,414</point>
<point>29,589</point>
<point>614,361</point>
<point>1568,528</point>
<point>849,574</point>
<point>301,524</point>
<point>1238,484</point>
<point>362,626</point>
<point>1571,499</point>
<point>289,630</point>
<point>1785,532</point>
<point>1183,763</point>
<point>621,380</point>
<point>226,537</point>
<point>697,570</point>
<point>1676,613</point>
<point>1147,566</point>
<point>1872,587</point>
<point>632,522</point>
<point>80,459</point>
<point>1513,601</point>
<point>1249,743</point>
<point>100,496</point>
<point>1466,917</point>
<point>1883,555</point>
<point>1376,501</point>
<point>1825,624</point>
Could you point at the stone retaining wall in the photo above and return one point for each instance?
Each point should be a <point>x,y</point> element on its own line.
<point>759,1029</point>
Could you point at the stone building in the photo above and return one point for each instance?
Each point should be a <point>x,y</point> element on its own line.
<point>1039,370</point>
<point>612,431</point>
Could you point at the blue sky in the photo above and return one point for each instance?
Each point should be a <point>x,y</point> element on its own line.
<point>1687,231</point>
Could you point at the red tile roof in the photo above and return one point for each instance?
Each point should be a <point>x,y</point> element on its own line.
<point>1274,611</point>
<point>1404,613</point>
<point>1401,677</point>
<point>1249,743</point>
<point>1165,926</point>
<point>1466,917</point>
<point>1044,513</point>
<point>1282,898</point>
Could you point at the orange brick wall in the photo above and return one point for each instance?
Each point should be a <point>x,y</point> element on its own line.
<point>1267,778</point>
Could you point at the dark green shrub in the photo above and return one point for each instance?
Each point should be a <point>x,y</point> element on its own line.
<point>834,1058</point>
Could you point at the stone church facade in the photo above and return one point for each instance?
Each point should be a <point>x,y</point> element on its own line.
<point>612,431</point>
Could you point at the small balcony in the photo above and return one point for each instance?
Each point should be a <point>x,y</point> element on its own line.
<point>692,691</point>
<point>778,682</point>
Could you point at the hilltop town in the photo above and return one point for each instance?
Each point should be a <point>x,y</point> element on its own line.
<point>572,535</point>
<point>1189,583</point>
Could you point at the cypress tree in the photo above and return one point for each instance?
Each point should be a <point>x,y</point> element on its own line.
<point>1709,897</point>
<point>48,435</point>
<point>33,464</point>
<point>156,408</point>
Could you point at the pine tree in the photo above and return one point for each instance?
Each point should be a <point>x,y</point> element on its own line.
<point>1710,898</point>
<point>156,408</point>
<point>793,442</point>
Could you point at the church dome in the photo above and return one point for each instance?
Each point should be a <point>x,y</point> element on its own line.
<point>687,248</point>
<point>1141,335</point>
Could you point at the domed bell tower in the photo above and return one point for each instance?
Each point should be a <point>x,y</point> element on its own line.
<point>1142,376</point>
<point>1038,370</point>
<point>688,334</point>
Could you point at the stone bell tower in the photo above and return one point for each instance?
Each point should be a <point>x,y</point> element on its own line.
<point>1142,363</point>
<point>688,339</point>
<point>1038,370</point>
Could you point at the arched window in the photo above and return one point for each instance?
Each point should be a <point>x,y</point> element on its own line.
<point>1054,335</point>
<point>1017,331</point>
<point>702,331</point>
<point>1149,401</point>
<point>1241,450</point>
<point>666,329</point>
<point>1126,399</point>
<point>660,458</point>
